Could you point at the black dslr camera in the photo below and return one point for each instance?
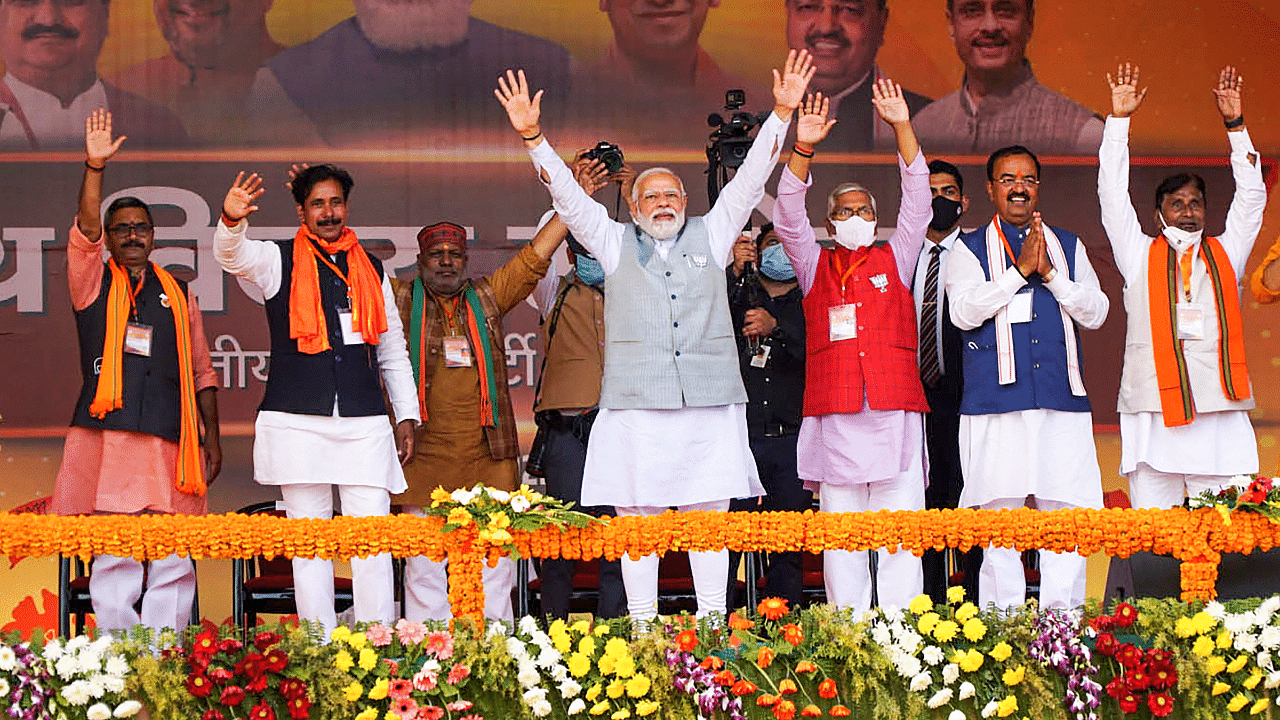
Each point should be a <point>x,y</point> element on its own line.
<point>608,154</point>
<point>731,138</point>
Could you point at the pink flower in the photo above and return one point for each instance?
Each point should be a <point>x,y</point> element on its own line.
<point>378,635</point>
<point>471,717</point>
<point>440,643</point>
<point>459,706</point>
<point>425,680</point>
<point>410,633</point>
<point>405,707</point>
<point>430,712</point>
<point>400,689</point>
<point>458,674</point>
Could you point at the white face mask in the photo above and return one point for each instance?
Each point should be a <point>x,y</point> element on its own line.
<point>1178,238</point>
<point>855,232</point>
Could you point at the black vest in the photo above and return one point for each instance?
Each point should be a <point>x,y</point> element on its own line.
<point>305,384</point>
<point>151,399</point>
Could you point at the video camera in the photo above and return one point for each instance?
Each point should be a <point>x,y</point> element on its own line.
<point>731,138</point>
<point>608,154</point>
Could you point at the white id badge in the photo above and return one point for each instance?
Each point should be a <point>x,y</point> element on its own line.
<point>1190,321</point>
<point>457,352</point>
<point>843,320</point>
<point>1020,308</point>
<point>137,339</point>
<point>761,358</point>
<point>349,335</point>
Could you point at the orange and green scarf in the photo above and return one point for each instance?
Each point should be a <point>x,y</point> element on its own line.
<point>481,349</point>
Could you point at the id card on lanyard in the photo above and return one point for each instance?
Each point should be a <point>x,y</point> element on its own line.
<point>457,349</point>
<point>1190,314</point>
<point>842,320</point>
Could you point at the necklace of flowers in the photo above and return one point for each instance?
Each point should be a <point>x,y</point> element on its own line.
<point>699,682</point>
<point>1058,644</point>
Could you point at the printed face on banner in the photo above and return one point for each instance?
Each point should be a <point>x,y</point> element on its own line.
<point>843,36</point>
<point>990,35</point>
<point>325,211</point>
<point>649,29</point>
<point>1015,191</point>
<point>408,25</point>
<point>212,34</point>
<point>52,44</point>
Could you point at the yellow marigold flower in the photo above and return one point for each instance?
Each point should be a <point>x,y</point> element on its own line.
<point>582,627</point>
<point>975,630</point>
<point>622,714</point>
<point>1224,639</point>
<point>587,645</point>
<point>1001,652</point>
<point>955,594</point>
<point>607,664</point>
<point>1007,706</point>
<point>593,692</point>
<point>340,633</point>
<point>1014,676</point>
<point>1252,681</point>
<point>1184,627</point>
<point>379,689</point>
<point>971,661</point>
<point>439,496</point>
<point>353,692</point>
<point>557,627</point>
<point>485,535</point>
<point>646,707</point>
<point>638,686</point>
<point>1219,688</point>
<point>957,657</point>
<point>1237,702</point>
<point>966,612</point>
<point>921,604</point>
<point>368,714</point>
<point>563,642</point>
<point>368,659</point>
<point>617,647</point>
<point>1203,646</point>
<point>616,689</point>
<point>579,664</point>
<point>499,521</point>
<point>625,667</point>
<point>1259,706</point>
<point>343,661</point>
<point>356,640</point>
<point>1202,622</point>
<point>601,630</point>
<point>390,716</point>
<point>599,708</point>
<point>1215,664</point>
<point>927,622</point>
<point>946,631</point>
<point>459,516</point>
<point>1238,664</point>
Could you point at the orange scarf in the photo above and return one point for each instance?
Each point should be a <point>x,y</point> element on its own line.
<point>307,323</point>
<point>109,393</point>
<point>1165,279</point>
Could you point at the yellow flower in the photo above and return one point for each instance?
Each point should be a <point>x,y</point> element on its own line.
<point>356,640</point>
<point>946,631</point>
<point>593,692</point>
<point>499,521</point>
<point>1203,646</point>
<point>368,659</point>
<point>459,516</point>
<point>622,714</point>
<point>1237,702</point>
<point>379,689</point>
<point>354,692</point>
<point>582,627</point>
<point>1259,706</point>
<point>625,667</point>
<point>390,716</point>
<point>607,664</point>
<point>1238,664</point>
<point>1007,706</point>
<point>343,661</point>
<point>1202,622</point>
<point>1014,676</point>
<point>966,611</point>
<point>599,708</point>
<point>1215,664</point>
<point>1219,688</point>
<point>579,664</point>
<point>921,604</point>
<point>971,661</point>
<point>560,637</point>
<point>1001,652</point>
<point>368,714</point>
<point>927,622</point>
<point>587,645</point>
<point>1185,627</point>
<point>975,630</point>
<point>558,626</point>
<point>340,633</point>
<point>601,630</point>
<point>617,647</point>
<point>955,594</point>
<point>957,657</point>
<point>616,689</point>
<point>439,496</point>
<point>1252,681</point>
<point>1224,639</point>
<point>638,686</point>
<point>646,707</point>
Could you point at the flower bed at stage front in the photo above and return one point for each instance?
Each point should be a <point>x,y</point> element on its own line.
<point>952,661</point>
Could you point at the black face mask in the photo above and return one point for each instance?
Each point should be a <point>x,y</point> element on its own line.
<point>946,213</point>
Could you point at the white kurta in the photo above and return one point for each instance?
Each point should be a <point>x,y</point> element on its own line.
<point>658,458</point>
<point>291,448</point>
<point>1214,443</point>
<point>1046,453</point>
<point>53,125</point>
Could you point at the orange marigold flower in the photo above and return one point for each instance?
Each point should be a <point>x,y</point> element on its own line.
<point>811,711</point>
<point>840,711</point>
<point>792,634</point>
<point>827,689</point>
<point>784,710</point>
<point>772,608</point>
<point>743,687</point>
<point>764,657</point>
<point>712,662</point>
<point>687,640</point>
<point>787,686</point>
<point>767,700</point>
<point>804,666</point>
<point>725,678</point>
<point>737,622</point>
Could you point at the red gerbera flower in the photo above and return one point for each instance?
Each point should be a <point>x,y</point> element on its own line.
<point>1128,703</point>
<point>399,688</point>
<point>299,707</point>
<point>212,714</point>
<point>275,660</point>
<point>199,685</point>
<point>264,640</point>
<point>262,711</point>
<point>291,688</point>
<point>687,640</point>
<point>1107,644</point>
<point>1160,704</point>
<point>205,643</point>
<point>220,675</point>
<point>231,695</point>
<point>1125,614</point>
<point>772,608</point>
<point>1129,656</point>
<point>792,634</point>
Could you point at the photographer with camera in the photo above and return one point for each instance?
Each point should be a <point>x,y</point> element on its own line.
<point>672,427</point>
<point>568,392</point>
<point>862,438</point>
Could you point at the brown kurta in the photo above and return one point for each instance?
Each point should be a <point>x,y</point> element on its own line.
<point>453,450</point>
<point>575,356</point>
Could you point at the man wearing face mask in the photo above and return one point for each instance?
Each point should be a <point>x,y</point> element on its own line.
<point>453,326</point>
<point>773,373</point>
<point>861,442</point>
<point>1019,290</point>
<point>939,355</point>
<point>1185,394</point>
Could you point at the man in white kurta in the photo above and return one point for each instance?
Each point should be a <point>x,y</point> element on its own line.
<point>307,453</point>
<point>663,436</point>
<point>1019,288</point>
<point>1166,453</point>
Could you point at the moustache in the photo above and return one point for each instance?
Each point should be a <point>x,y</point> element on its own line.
<point>31,32</point>
<point>326,222</point>
<point>835,37</point>
<point>996,38</point>
<point>1018,195</point>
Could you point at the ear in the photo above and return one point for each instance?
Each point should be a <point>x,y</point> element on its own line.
<point>964,204</point>
<point>831,228</point>
<point>302,218</point>
<point>951,26</point>
<point>992,190</point>
<point>634,208</point>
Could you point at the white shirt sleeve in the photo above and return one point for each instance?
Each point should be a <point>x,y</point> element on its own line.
<point>544,293</point>
<point>1244,218</point>
<point>257,261</point>
<point>741,194</point>
<point>1082,298</point>
<point>1129,244</point>
<point>393,359</point>
<point>974,299</point>
<point>587,219</point>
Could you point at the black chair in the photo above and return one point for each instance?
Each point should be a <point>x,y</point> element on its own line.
<point>74,600</point>
<point>260,585</point>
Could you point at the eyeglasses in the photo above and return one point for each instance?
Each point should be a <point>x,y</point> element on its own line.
<point>124,230</point>
<point>1010,182</point>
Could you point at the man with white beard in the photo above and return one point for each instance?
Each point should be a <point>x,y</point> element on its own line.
<point>672,428</point>
<point>392,76</point>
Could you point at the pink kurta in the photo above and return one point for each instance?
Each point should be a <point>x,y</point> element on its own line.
<point>118,471</point>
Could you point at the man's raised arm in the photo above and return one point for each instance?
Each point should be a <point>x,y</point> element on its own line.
<point>256,261</point>
<point>1119,219</point>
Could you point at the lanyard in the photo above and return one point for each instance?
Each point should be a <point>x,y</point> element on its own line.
<point>450,310</point>
<point>1184,265</point>
<point>844,274</point>
<point>7,97</point>
<point>1007,249</point>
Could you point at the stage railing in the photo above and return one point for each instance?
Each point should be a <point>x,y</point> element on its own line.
<point>1196,538</point>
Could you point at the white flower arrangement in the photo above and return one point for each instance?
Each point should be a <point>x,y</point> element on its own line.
<point>93,678</point>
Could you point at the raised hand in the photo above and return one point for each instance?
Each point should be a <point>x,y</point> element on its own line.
<point>99,146</point>
<point>789,86</point>
<point>239,203</point>
<point>744,251</point>
<point>522,110</point>
<point>889,101</point>
<point>591,174</point>
<point>812,126</point>
<point>1227,92</point>
<point>1032,253</point>
<point>1045,266</point>
<point>1125,96</point>
<point>292,174</point>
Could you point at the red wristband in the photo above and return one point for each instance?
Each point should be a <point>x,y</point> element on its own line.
<point>228,221</point>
